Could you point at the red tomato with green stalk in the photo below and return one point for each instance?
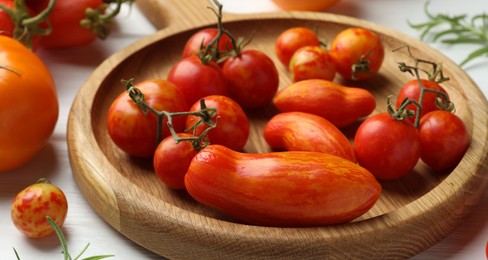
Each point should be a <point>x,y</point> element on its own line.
<point>200,40</point>
<point>312,62</point>
<point>28,104</point>
<point>388,147</point>
<point>33,204</point>
<point>357,53</point>
<point>292,39</point>
<point>293,188</point>
<point>444,140</point>
<point>135,131</point>
<point>232,129</point>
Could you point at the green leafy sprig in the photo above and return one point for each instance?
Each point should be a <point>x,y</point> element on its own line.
<point>456,29</point>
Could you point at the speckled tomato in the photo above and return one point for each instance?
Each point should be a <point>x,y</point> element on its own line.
<point>290,40</point>
<point>32,205</point>
<point>312,62</point>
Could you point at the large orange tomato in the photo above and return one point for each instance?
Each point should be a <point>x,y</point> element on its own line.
<point>28,104</point>
<point>305,5</point>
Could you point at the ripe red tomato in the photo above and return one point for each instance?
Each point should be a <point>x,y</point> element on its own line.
<point>357,53</point>
<point>171,161</point>
<point>293,39</point>
<point>444,139</point>
<point>305,5</point>
<point>197,80</point>
<point>6,24</point>
<point>387,147</point>
<point>232,128</point>
<point>32,205</point>
<point>203,38</point>
<point>28,104</point>
<point>252,78</point>
<point>135,132</point>
<point>411,90</point>
<point>312,62</point>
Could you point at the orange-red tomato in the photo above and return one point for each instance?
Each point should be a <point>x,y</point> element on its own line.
<point>28,104</point>
<point>312,62</point>
<point>32,205</point>
<point>298,131</point>
<point>339,104</point>
<point>305,5</point>
<point>290,40</point>
<point>283,188</point>
<point>202,38</point>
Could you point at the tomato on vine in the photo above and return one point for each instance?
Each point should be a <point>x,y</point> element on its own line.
<point>201,39</point>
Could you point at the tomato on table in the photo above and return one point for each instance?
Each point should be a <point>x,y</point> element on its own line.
<point>312,62</point>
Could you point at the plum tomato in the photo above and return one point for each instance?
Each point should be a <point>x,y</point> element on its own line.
<point>444,140</point>
<point>357,53</point>
<point>312,62</point>
<point>134,131</point>
<point>305,5</point>
<point>387,147</point>
<point>33,204</point>
<point>292,39</point>
<point>232,128</point>
<point>252,78</point>
<point>411,90</point>
<point>202,38</point>
<point>197,80</point>
<point>167,153</point>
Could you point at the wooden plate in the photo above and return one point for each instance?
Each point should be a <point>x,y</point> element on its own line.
<point>412,214</point>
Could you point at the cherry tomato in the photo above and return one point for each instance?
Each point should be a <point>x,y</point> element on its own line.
<point>32,205</point>
<point>135,132</point>
<point>28,104</point>
<point>232,128</point>
<point>305,5</point>
<point>297,131</point>
<point>171,161</point>
<point>411,90</point>
<point>6,24</point>
<point>293,39</point>
<point>444,139</point>
<point>339,104</point>
<point>387,147</point>
<point>357,53</point>
<point>252,78</point>
<point>203,38</point>
<point>312,62</point>
<point>197,80</point>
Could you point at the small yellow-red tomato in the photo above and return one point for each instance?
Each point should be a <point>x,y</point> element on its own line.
<point>32,205</point>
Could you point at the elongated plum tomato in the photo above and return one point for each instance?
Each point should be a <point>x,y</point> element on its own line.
<point>252,78</point>
<point>232,128</point>
<point>387,147</point>
<point>312,62</point>
<point>28,104</point>
<point>305,5</point>
<point>197,80</point>
<point>292,39</point>
<point>134,131</point>
<point>32,205</point>
<point>298,131</point>
<point>172,159</point>
<point>282,188</point>
<point>202,38</point>
<point>444,140</point>
<point>339,104</point>
<point>357,53</point>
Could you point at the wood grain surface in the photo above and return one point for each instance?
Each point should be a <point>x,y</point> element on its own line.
<point>412,214</point>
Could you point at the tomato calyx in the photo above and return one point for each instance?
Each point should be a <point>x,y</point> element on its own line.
<point>97,20</point>
<point>198,141</point>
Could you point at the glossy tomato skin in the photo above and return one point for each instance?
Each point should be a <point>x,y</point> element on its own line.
<point>232,128</point>
<point>204,37</point>
<point>32,205</point>
<point>292,39</point>
<point>305,5</point>
<point>444,140</point>
<point>282,188</point>
<point>171,161</point>
<point>339,104</point>
<point>135,132</point>
<point>298,131</point>
<point>387,147</point>
<point>252,78</point>
<point>28,104</point>
<point>312,62</point>
<point>350,45</point>
<point>411,90</point>
<point>197,80</point>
